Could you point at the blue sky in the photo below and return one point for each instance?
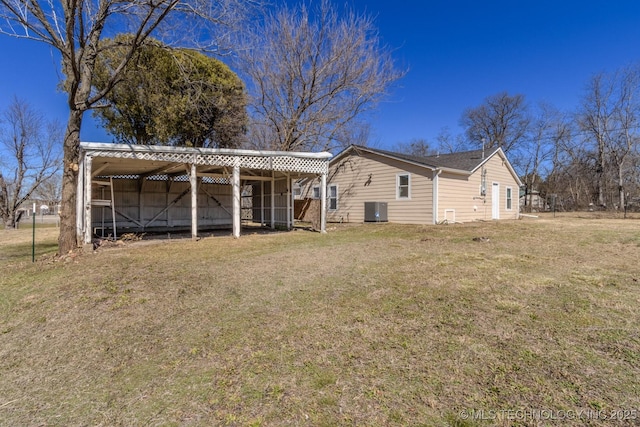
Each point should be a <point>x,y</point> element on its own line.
<point>457,53</point>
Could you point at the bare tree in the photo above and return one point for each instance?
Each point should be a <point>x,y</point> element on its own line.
<point>449,143</point>
<point>76,28</point>
<point>609,117</point>
<point>594,118</point>
<point>626,136</point>
<point>31,157</point>
<point>50,192</point>
<point>549,129</point>
<point>312,74</point>
<point>501,121</point>
<point>418,147</point>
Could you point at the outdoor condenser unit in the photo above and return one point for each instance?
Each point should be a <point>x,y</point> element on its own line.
<point>375,212</point>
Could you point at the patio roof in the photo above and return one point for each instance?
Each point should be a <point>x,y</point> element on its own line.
<point>145,161</point>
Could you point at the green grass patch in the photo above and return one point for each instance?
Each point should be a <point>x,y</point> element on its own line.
<point>378,325</point>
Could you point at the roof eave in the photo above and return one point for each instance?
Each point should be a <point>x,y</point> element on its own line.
<point>378,153</point>
<point>100,146</point>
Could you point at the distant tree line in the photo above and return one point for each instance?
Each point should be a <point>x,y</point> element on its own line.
<point>588,158</point>
<point>30,162</point>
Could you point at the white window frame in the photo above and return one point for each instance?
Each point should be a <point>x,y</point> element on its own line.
<point>509,198</point>
<point>315,192</point>
<point>297,191</point>
<point>329,208</point>
<point>408,196</point>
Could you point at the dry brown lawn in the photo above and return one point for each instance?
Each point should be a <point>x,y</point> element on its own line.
<point>537,323</point>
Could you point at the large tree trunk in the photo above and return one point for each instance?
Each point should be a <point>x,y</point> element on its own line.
<point>68,239</point>
<point>13,219</point>
<point>10,223</point>
<point>600,180</point>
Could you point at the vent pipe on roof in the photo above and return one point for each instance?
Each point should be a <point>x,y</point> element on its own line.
<point>483,148</point>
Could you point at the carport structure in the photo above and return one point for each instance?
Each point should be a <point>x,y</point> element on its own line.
<point>142,187</point>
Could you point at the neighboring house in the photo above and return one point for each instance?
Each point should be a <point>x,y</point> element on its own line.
<point>367,184</point>
<point>533,201</point>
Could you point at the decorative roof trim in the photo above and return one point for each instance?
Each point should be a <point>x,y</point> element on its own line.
<point>282,161</point>
<point>101,146</point>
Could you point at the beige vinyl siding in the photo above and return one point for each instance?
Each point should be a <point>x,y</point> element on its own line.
<point>461,193</point>
<point>459,198</point>
<point>497,171</point>
<point>373,178</point>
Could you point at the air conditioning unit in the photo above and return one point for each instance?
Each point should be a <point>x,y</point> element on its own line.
<point>375,212</point>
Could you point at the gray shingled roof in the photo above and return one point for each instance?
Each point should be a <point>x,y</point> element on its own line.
<point>464,160</point>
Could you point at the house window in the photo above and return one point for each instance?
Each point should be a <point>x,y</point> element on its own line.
<point>297,191</point>
<point>403,185</point>
<point>509,198</point>
<point>333,197</point>
<point>316,192</point>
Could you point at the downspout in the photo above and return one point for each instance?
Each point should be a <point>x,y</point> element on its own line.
<point>436,174</point>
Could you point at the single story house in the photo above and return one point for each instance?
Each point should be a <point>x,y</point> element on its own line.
<point>369,185</point>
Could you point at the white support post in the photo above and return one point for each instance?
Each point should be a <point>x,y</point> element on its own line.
<point>167,200</point>
<point>262,222</point>
<point>323,203</point>
<point>87,200</point>
<point>193,180</point>
<point>235,183</point>
<point>80,201</point>
<point>141,182</point>
<point>273,200</point>
<point>289,216</point>
<point>113,208</point>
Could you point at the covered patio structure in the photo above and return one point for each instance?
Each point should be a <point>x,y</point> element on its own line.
<point>141,188</point>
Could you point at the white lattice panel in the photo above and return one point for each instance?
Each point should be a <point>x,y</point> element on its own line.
<point>164,157</point>
<point>217,160</point>
<point>282,163</point>
<point>293,164</point>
